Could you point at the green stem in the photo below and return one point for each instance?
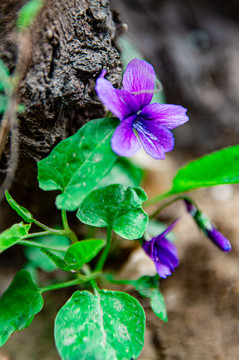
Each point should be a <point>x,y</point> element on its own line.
<point>162,207</point>
<point>105,253</point>
<point>37,245</point>
<point>70,233</point>
<point>110,278</point>
<point>61,285</point>
<point>47,228</point>
<point>81,279</point>
<point>37,234</point>
<point>86,269</point>
<point>157,198</point>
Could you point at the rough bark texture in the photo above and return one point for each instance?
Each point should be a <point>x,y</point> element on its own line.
<point>66,48</point>
<point>194,48</point>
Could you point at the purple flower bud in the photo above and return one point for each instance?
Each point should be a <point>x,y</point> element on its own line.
<point>220,240</point>
<point>207,227</point>
<point>162,252</point>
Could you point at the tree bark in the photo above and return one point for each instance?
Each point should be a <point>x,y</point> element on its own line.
<point>60,57</point>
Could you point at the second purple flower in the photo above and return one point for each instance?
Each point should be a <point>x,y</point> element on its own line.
<point>131,105</point>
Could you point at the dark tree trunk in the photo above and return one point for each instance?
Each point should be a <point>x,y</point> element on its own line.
<point>61,55</point>
<point>59,59</point>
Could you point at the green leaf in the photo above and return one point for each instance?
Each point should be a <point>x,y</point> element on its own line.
<point>147,286</point>
<point>27,13</point>
<point>12,235</point>
<point>4,77</point>
<point>35,256</point>
<point>3,103</point>
<point>106,326</point>
<point>78,163</point>
<point>220,167</point>
<point>18,305</point>
<point>24,213</point>
<point>77,255</point>
<point>83,252</point>
<point>118,207</point>
<point>123,172</point>
<point>158,306</point>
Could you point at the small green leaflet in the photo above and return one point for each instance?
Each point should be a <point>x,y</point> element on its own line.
<point>107,326</point>
<point>18,305</point>
<point>220,167</point>
<point>123,172</point>
<point>12,235</point>
<point>77,164</point>
<point>77,255</point>
<point>24,213</point>
<point>148,286</point>
<point>39,260</point>
<point>28,12</point>
<point>118,207</point>
<point>4,77</point>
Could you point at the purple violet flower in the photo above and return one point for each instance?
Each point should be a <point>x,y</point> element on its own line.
<point>131,105</point>
<point>162,252</point>
<point>207,227</point>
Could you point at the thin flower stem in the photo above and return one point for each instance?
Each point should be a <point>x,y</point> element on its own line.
<point>37,245</point>
<point>162,207</point>
<point>105,253</point>
<point>70,233</point>
<point>157,198</point>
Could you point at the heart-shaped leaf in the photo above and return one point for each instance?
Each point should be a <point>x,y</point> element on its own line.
<point>118,207</point>
<point>12,235</point>
<point>18,305</point>
<point>109,326</point>
<point>77,164</point>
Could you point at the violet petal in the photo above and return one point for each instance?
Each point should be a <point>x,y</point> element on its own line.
<point>139,78</point>
<point>148,247</point>
<point>124,142</point>
<point>156,139</point>
<point>162,270</point>
<point>120,102</point>
<point>165,255</point>
<point>167,115</point>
